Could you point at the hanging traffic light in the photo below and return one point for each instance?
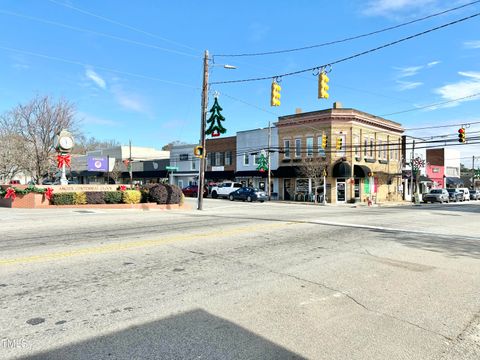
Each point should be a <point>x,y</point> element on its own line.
<point>462,136</point>
<point>198,151</point>
<point>323,85</point>
<point>339,143</point>
<point>275,95</point>
<point>324,141</point>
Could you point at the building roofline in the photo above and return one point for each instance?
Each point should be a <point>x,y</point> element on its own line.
<point>340,112</point>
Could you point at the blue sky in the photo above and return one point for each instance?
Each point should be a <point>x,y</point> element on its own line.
<point>134,68</point>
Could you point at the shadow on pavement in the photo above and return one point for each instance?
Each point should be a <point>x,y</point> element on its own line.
<point>195,334</point>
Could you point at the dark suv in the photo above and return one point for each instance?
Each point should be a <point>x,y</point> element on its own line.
<point>455,195</point>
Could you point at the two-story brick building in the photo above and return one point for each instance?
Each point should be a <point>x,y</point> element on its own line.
<point>362,157</point>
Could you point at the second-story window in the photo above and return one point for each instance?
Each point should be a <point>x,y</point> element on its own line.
<point>298,148</point>
<point>372,147</point>
<point>380,149</point>
<point>365,147</point>
<point>356,145</point>
<point>194,164</point>
<point>286,149</point>
<point>310,146</point>
<point>246,159</point>
<point>228,158</point>
<point>183,157</point>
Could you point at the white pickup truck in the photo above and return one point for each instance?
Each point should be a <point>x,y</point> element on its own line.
<point>223,190</point>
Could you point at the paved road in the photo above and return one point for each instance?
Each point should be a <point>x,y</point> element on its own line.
<point>241,281</point>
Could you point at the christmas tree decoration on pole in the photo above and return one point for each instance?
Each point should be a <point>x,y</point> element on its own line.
<point>214,121</point>
<point>262,162</point>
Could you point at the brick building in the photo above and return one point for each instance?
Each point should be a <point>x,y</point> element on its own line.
<point>362,158</point>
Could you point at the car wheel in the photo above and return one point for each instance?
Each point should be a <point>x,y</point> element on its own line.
<point>194,194</point>
<point>214,195</point>
<point>231,197</point>
<point>249,198</point>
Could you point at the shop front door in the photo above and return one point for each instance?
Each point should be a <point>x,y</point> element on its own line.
<point>340,191</point>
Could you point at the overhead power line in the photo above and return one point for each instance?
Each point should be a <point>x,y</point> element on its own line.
<point>432,105</point>
<point>349,57</point>
<point>126,26</point>
<point>93,32</point>
<point>349,38</point>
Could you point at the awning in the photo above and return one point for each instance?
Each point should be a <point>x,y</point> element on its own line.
<point>453,181</point>
<point>251,173</point>
<point>220,175</point>
<point>361,171</point>
<point>423,178</point>
<point>342,170</point>
<point>287,172</point>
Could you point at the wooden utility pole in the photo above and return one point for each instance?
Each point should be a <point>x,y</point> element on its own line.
<point>269,171</point>
<point>411,172</point>
<point>204,104</point>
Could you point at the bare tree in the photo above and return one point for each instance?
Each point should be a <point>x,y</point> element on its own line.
<point>36,124</point>
<point>13,155</point>
<point>116,171</point>
<point>82,144</point>
<point>312,168</point>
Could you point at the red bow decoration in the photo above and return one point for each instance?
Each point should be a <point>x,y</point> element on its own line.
<point>63,159</point>
<point>49,193</point>
<point>10,194</point>
<point>123,188</point>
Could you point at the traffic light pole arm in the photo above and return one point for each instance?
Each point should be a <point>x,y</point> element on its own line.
<point>204,104</point>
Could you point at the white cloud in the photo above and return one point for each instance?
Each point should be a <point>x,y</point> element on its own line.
<point>91,119</point>
<point>97,79</point>
<point>130,101</point>
<point>408,85</point>
<point>408,71</point>
<point>433,63</point>
<point>414,70</point>
<point>391,8</point>
<point>463,88</point>
<point>473,44</point>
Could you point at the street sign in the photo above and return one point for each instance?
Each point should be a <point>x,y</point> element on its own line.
<point>172,168</point>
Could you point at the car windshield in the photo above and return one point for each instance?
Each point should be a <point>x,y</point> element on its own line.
<point>451,190</point>
<point>436,191</point>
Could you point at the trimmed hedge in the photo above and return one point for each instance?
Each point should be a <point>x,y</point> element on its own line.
<point>80,198</point>
<point>132,196</point>
<point>113,197</point>
<point>165,194</point>
<point>159,193</point>
<point>65,198</point>
<point>95,197</point>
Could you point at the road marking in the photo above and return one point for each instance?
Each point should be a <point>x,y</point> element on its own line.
<point>122,246</point>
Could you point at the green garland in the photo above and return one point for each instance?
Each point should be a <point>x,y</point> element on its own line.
<point>25,191</point>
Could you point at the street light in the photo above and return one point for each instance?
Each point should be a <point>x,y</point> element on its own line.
<point>204,104</point>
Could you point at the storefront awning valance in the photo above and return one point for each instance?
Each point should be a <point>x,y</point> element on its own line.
<point>361,171</point>
<point>453,181</point>
<point>342,170</point>
<point>287,172</point>
<point>251,173</point>
<point>220,175</point>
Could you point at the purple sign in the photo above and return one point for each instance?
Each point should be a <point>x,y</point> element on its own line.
<point>97,163</point>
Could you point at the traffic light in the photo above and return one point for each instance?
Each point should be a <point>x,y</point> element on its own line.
<point>324,141</point>
<point>462,136</point>
<point>339,143</point>
<point>198,151</point>
<point>323,85</point>
<point>275,96</point>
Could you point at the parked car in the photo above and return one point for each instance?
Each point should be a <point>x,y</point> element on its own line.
<point>225,189</point>
<point>474,195</point>
<point>455,195</point>
<point>192,190</point>
<point>466,193</point>
<point>437,195</point>
<point>249,194</point>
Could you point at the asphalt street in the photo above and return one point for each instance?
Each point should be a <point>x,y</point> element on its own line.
<point>241,281</point>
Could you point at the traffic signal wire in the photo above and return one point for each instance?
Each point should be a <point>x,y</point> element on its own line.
<point>349,38</point>
<point>279,76</point>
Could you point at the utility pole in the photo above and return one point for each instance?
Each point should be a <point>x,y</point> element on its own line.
<point>130,165</point>
<point>269,171</point>
<point>411,172</point>
<point>204,104</point>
